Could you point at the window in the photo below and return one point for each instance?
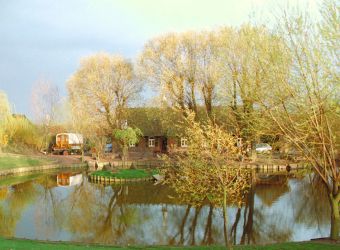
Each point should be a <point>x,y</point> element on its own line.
<point>151,143</point>
<point>184,143</point>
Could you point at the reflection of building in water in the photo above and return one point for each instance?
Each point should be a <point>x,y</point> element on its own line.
<point>69,179</point>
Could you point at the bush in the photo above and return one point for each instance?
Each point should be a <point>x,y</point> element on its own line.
<point>21,133</point>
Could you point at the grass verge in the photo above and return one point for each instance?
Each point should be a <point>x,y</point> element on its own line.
<point>18,161</point>
<point>17,244</point>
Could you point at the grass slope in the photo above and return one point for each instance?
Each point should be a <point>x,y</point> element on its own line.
<point>9,162</point>
<point>16,244</point>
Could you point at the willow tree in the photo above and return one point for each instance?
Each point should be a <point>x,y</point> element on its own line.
<point>4,114</point>
<point>249,56</point>
<point>305,106</point>
<point>209,71</point>
<point>184,66</point>
<point>100,91</point>
<point>4,106</point>
<point>169,62</point>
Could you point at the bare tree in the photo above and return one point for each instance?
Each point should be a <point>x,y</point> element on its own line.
<point>45,99</point>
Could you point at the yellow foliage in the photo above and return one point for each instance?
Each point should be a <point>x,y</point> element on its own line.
<point>3,140</point>
<point>19,131</point>
<point>203,172</point>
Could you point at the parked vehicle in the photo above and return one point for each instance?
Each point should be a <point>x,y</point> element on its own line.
<point>108,148</point>
<point>263,148</point>
<point>67,143</point>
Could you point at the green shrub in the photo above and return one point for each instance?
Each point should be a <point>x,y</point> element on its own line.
<point>22,133</point>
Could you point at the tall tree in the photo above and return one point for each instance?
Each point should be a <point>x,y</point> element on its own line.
<point>249,56</point>
<point>45,99</point>
<point>170,62</point>
<point>102,87</point>
<point>209,73</point>
<point>305,106</point>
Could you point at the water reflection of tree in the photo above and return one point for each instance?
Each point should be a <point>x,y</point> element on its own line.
<point>192,220</point>
<point>53,210</point>
<point>208,232</point>
<point>257,223</point>
<point>99,216</point>
<point>248,234</point>
<point>312,205</point>
<point>17,198</point>
<point>116,214</point>
<point>256,226</point>
<point>47,221</point>
<point>272,227</point>
<point>180,232</point>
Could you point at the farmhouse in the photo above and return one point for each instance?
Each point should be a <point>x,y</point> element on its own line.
<point>160,134</point>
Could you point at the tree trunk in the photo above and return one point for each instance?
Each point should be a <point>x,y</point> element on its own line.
<point>82,155</point>
<point>335,217</point>
<point>125,152</point>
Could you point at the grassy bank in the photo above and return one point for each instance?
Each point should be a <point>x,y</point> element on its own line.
<point>18,161</point>
<point>16,244</point>
<point>125,173</point>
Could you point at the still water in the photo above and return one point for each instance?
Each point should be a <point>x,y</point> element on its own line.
<point>67,207</point>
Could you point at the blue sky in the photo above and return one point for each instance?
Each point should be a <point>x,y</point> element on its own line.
<point>45,39</point>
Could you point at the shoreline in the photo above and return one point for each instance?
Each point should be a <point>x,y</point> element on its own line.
<point>72,162</point>
<point>53,163</point>
<point>31,169</point>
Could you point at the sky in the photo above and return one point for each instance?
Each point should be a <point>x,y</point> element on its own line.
<point>45,39</point>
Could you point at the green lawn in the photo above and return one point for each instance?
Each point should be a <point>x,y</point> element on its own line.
<point>126,173</point>
<point>9,162</point>
<point>16,244</point>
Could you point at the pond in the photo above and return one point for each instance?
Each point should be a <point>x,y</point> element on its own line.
<point>65,206</point>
